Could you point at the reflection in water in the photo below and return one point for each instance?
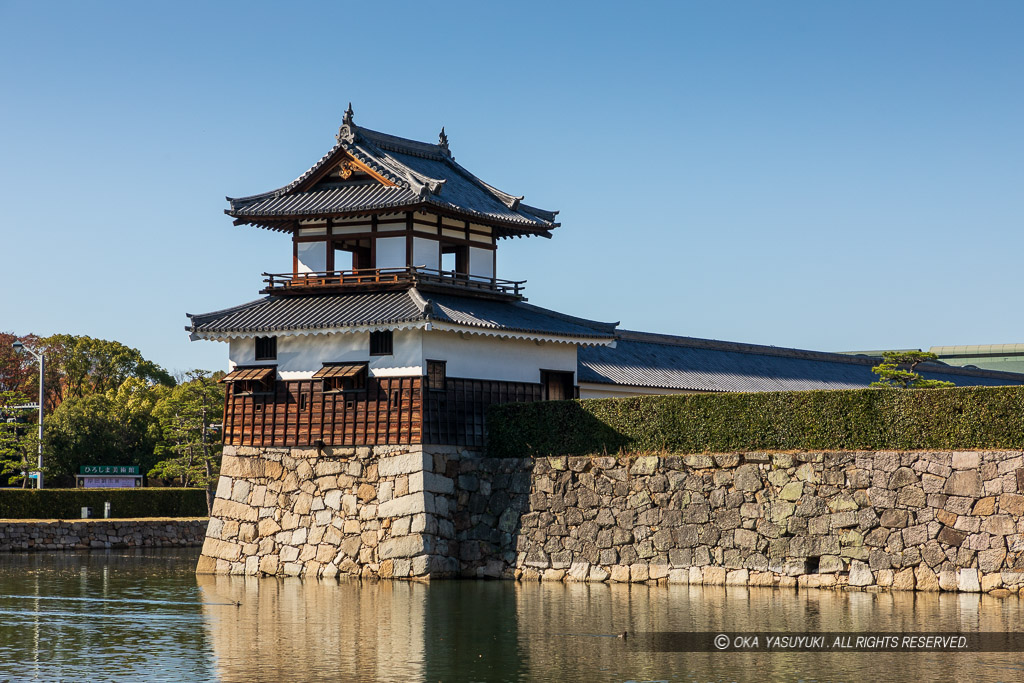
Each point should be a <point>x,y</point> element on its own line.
<point>109,615</point>
<point>567,615</point>
<point>295,629</point>
<point>143,615</point>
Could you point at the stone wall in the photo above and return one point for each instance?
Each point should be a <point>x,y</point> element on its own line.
<point>384,511</point>
<point>901,520</point>
<point>17,535</point>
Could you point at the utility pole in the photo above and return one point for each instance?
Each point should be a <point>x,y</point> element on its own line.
<point>18,346</point>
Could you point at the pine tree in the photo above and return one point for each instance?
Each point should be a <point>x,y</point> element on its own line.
<point>191,447</point>
<point>897,370</point>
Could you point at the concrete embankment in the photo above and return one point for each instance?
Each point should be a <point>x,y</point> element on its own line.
<point>84,534</point>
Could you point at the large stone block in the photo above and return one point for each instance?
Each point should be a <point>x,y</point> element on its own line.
<point>951,537</point>
<point>991,560</point>
<point>714,576</point>
<point>967,581</point>
<point>229,509</point>
<point>1011,504</point>
<point>748,478</point>
<point>433,483</point>
<point>925,579</point>
<point>966,460</point>
<point>206,565</point>
<point>407,463</point>
<point>999,525</point>
<point>224,487</point>
<point>903,476</point>
<point>410,504</point>
<point>620,573</point>
<point>248,467</point>
<point>860,574</point>
<point>966,483</point>
<point>644,465</point>
<point>269,564</point>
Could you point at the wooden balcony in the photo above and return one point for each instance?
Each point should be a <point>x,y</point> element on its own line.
<point>388,278</point>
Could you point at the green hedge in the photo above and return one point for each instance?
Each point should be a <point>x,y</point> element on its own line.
<point>859,419</point>
<point>124,503</point>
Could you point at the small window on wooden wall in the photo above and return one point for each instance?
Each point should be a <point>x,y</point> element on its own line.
<point>342,377</point>
<point>266,348</point>
<point>247,380</point>
<point>436,375</point>
<point>558,386</point>
<point>382,343</point>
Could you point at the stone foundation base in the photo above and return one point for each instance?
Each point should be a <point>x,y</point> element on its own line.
<point>921,520</point>
<point>372,512</point>
<point>1000,584</point>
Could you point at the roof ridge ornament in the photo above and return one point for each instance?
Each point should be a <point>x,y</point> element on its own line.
<point>346,133</point>
<point>442,142</point>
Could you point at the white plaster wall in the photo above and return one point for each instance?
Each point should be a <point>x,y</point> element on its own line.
<point>481,263</point>
<point>298,357</point>
<point>391,252</point>
<point>511,360</point>
<point>425,252</point>
<point>467,355</point>
<point>595,390</point>
<point>312,256</point>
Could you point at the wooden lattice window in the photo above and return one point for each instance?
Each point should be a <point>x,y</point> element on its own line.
<point>382,343</point>
<point>251,379</point>
<point>343,377</point>
<point>436,374</point>
<point>266,348</point>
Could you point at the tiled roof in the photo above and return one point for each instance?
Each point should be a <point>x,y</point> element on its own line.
<point>423,174</point>
<point>382,309</point>
<point>686,363</point>
<point>517,315</point>
<point>273,314</point>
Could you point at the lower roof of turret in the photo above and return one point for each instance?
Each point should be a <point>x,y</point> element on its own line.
<point>321,314</point>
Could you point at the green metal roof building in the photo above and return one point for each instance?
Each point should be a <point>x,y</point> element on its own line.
<point>1004,357</point>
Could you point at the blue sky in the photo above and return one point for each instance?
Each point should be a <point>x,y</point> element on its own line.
<point>819,175</point>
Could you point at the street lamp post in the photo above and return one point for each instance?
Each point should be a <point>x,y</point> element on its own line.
<point>18,346</point>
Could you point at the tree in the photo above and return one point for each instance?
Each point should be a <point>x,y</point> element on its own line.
<point>81,366</point>
<point>189,417</point>
<point>112,428</point>
<point>13,451</point>
<point>897,370</point>
<point>18,371</point>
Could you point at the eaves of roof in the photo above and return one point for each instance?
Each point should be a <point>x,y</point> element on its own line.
<point>422,174</point>
<point>394,310</point>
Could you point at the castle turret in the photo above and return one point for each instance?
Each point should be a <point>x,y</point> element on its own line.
<point>392,326</point>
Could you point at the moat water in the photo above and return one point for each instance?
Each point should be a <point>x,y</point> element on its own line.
<point>144,615</point>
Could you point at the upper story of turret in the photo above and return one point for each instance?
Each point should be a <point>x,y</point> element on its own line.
<point>379,211</point>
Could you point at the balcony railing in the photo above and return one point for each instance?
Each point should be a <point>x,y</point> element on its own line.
<point>278,283</point>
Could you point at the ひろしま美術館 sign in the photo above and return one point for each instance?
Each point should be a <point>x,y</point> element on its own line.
<point>101,470</point>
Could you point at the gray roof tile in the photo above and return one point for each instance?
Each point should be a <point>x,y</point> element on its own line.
<point>423,174</point>
<point>279,313</point>
<point>685,363</point>
<point>487,313</point>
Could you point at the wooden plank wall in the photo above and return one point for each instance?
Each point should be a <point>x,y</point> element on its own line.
<point>298,413</point>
